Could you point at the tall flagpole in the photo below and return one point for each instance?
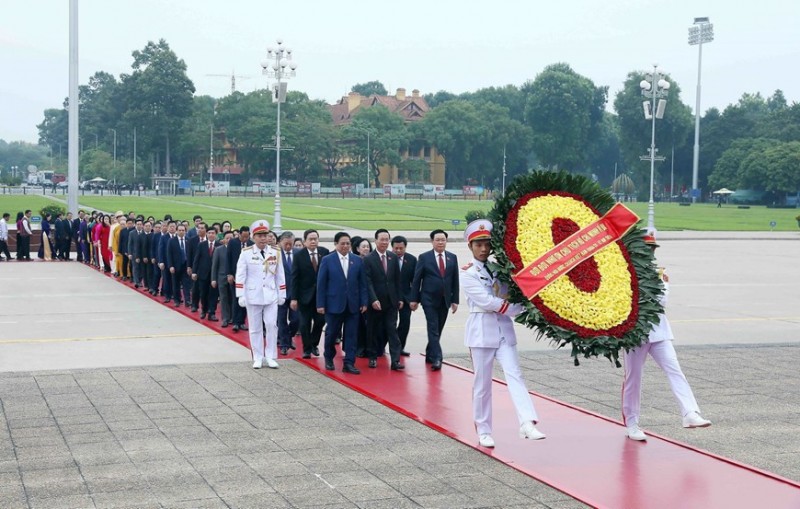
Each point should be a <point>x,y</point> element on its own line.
<point>72,155</point>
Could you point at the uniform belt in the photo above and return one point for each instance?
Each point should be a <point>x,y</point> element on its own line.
<point>480,310</point>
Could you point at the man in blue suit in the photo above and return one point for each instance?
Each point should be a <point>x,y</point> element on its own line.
<point>435,285</point>
<point>154,282</point>
<point>341,297</point>
<point>288,320</point>
<point>178,267</point>
<point>166,277</point>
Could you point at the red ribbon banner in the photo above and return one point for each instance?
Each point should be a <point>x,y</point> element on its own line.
<point>573,250</point>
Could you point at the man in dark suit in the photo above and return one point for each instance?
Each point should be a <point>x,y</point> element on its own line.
<point>76,234</point>
<point>303,289</point>
<point>383,284</point>
<point>201,275</point>
<point>235,247</point>
<point>124,235</point>
<point>341,297</point>
<point>163,261</point>
<point>408,263</point>
<point>60,233</point>
<point>177,262</point>
<point>145,246</point>
<point>69,233</point>
<point>192,242</point>
<point>219,278</point>
<point>435,285</point>
<point>287,317</point>
<point>155,273</point>
<point>195,230</point>
<point>134,250</point>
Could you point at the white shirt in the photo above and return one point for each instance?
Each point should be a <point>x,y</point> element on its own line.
<point>345,264</point>
<point>3,229</point>
<point>443,258</point>
<point>26,223</point>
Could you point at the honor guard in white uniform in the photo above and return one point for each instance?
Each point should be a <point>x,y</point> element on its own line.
<point>489,334</point>
<point>261,288</point>
<point>659,346</point>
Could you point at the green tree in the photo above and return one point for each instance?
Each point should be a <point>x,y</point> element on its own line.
<point>439,98</point>
<point>249,123</point>
<point>728,170</point>
<point>414,170</point>
<point>783,168</point>
<point>157,97</point>
<point>388,135</point>
<point>369,88</point>
<point>310,131</point>
<point>563,109</point>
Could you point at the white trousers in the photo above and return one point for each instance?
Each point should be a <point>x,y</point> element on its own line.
<point>664,354</point>
<point>482,363</point>
<point>268,316</point>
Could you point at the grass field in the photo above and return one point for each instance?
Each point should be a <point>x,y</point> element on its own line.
<point>16,203</point>
<point>398,215</point>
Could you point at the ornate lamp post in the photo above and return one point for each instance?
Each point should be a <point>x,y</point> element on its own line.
<point>653,86</point>
<point>702,31</point>
<point>278,65</point>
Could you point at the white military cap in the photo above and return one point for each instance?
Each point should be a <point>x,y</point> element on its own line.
<point>260,226</point>
<point>478,229</point>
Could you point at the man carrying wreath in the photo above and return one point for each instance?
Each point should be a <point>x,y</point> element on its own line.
<point>489,334</point>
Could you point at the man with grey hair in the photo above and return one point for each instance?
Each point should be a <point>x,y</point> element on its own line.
<point>288,320</point>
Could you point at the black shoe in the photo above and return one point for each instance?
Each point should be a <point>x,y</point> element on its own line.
<point>243,327</point>
<point>405,354</point>
<point>295,348</point>
<point>373,363</point>
<point>177,304</point>
<point>437,365</point>
<point>194,310</point>
<point>235,328</point>
<point>167,300</point>
<point>349,368</point>
<point>202,315</point>
<point>329,365</point>
<point>284,350</point>
<point>361,355</point>
<point>428,361</point>
<point>223,324</point>
<point>397,366</point>
<point>189,305</point>
<point>315,351</point>
<point>306,355</point>
<point>212,318</point>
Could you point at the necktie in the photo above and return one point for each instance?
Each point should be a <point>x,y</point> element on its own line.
<point>183,250</point>
<point>383,262</point>
<point>210,249</point>
<point>314,260</point>
<point>400,261</point>
<point>262,254</point>
<point>441,265</point>
<point>289,260</point>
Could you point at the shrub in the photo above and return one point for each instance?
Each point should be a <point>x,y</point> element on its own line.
<point>52,209</point>
<point>472,215</point>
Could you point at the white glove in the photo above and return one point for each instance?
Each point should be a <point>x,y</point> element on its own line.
<point>514,309</point>
<point>242,302</point>
<point>281,302</point>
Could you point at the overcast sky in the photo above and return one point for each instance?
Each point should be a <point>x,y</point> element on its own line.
<point>432,45</point>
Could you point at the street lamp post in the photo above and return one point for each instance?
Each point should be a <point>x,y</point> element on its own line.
<point>368,132</point>
<point>653,86</point>
<point>115,147</point>
<point>275,66</point>
<point>702,31</point>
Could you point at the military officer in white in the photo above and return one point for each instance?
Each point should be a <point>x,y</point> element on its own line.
<point>261,288</point>
<point>490,335</point>
<point>659,346</point>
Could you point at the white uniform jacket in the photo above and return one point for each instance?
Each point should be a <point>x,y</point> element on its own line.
<point>662,331</point>
<point>260,279</point>
<point>490,315</point>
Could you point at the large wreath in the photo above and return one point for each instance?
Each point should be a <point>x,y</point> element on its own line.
<point>609,301</point>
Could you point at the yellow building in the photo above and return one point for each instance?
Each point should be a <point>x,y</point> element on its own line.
<point>412,108</point>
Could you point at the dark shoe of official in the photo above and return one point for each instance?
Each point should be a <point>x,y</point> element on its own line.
<point>284,350</point>
<point>329,365</point>
<point>373,363</point>
<point>223,324</point>
<point>428,361</point>
<point>177,304</point>
<point>361,355</point>
<point>349,368</point>
<point>315,351</point>
<point>405,354</point>
<point>194,309</point>
<point>243,327</point>
<point>136,285</point>
<point>397,366</point>
<point>212,318</point>
<point>202,315</point>
<point>436,366</point>
<point>166,300</point>
<point>295,348</point>
<point>338,340</point>
<point>306,355</point>
<point>235,328</point>
<point>188,305</point>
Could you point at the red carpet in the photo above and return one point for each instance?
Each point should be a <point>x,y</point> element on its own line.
<point>585,455</point>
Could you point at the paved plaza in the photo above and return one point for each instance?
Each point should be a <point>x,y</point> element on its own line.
<point>110,400</point>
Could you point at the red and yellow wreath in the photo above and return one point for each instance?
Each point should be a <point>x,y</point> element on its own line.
<point>607,301</point>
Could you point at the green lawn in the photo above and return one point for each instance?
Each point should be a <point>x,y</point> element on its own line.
<point>400,215</point>
<point>20,203</point>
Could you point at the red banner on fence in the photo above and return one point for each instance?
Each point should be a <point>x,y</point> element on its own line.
<point>576,248</point>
